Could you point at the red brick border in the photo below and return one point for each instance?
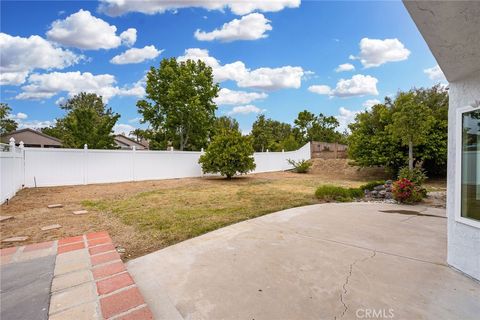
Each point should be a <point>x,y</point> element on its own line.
<point>118,295</point>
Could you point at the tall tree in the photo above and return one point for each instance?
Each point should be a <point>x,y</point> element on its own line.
<point>7,124</point>
<point>372,141</point>
<point>179,102</point>
<point>304,122</point>
<point>271,134</point>
<point>88,121</point>
<point>411,122</point>
<point>225,123</point>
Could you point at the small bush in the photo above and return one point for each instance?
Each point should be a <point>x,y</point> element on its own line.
<point>301,166</point>
<point>372,184</point>
<point>334,193</point>
<point>406,191</point>
<point>229,154</point>
<point>416,175</point>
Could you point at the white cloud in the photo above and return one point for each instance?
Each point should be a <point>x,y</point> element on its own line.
<point>84,31</point>
<point>370,103</point>
<point>375,52</point>
<point>345,117</point>
<point>136,55</point>
<point>45,86</point>
<point>345,67</point>
<point>21,116</point>
<point>123,128</point>
<point>358,85</point>
<point>20,56</point>
<point>129,36</point>
<point>35,124</point>
<point>135,120</point>
<point>320,89</point>
<point>229,97</point>
<point>246,110</point>
<point>261,78</point>
<point>249,27</point>
<point>435,73</point>
<point>120,7</point>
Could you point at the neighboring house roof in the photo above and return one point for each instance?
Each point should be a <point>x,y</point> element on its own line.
<point>126,142</point>
<point>31,137</point>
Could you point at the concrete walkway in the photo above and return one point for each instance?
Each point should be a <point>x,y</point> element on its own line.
<point>327,261</point>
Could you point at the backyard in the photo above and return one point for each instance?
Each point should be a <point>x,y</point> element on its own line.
<point>146,216</point>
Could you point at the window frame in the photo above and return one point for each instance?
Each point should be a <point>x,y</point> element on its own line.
<point>458,168</point>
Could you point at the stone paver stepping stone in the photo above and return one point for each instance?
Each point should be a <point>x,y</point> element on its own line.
<point>5,218</point>
<point>51,227</point>
<point>78,212</point>
<point>57,205</point>
<point>15,239</point>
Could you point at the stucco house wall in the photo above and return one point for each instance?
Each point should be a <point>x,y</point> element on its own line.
<point>463,240</point>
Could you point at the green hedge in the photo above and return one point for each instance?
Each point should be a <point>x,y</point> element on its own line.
<point>335,193</point>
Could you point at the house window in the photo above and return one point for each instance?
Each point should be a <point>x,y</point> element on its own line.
<point>470,165</point>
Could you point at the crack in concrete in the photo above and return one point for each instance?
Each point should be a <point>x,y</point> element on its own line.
<point>347,279</point>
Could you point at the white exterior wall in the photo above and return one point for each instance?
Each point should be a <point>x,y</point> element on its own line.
<point>59,167</point>
<point>463,239</point>
<point>11,173</point>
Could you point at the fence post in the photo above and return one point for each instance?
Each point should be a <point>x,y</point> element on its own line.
<point>14,162</point>
<point>85,163</point>
<point>22,148</point>
<point>134,152</point>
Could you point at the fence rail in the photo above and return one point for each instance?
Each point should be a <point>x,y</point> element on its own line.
<point>45,167</point>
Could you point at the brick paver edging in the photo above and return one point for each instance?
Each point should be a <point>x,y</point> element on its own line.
<point>90,264</point>
<point>90,280</point>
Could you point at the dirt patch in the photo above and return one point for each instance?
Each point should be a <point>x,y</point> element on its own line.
<point>341,169</point>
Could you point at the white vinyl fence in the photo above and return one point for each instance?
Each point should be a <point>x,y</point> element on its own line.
<point>12,171</point>
<point>59,167</point>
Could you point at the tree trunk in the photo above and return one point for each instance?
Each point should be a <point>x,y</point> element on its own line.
<point>410,154</point>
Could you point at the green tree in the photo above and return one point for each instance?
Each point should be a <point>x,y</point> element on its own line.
<point>179,103</point>
<point>7,124</point>
<point>411,122</point>
<point>270,134</point>
<point>304,122</point>
<point>88,121</point>
<point>225,123</point>
<point>372,142</point>
<point>229,154</point>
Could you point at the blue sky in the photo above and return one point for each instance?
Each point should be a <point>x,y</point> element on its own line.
<point>276,57</point>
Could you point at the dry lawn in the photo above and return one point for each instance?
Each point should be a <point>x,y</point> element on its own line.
<point>146,216</point>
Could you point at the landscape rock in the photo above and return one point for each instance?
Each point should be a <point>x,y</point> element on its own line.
<point>15,239</point>
<point>380,187</point>
<point>51,227</point>
<point>57,205</point>
<point>5,218</point>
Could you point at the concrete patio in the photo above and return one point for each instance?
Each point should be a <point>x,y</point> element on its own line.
<point>327,261</point>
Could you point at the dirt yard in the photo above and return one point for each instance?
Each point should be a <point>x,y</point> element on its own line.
<point>146,216</point>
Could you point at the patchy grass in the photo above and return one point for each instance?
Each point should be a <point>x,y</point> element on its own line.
<point>176,214</point>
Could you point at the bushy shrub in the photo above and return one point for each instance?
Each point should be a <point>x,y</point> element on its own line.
<point>371,185</point>
<point>406,191</point>
<point>301,166</point>
<point>335,193</point>
<point>416,175</point>
<point>229,154</point>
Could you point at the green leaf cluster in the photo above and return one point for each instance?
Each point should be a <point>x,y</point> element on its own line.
<point>7,124</point>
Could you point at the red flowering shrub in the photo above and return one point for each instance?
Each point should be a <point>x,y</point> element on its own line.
<point>406,191</point>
